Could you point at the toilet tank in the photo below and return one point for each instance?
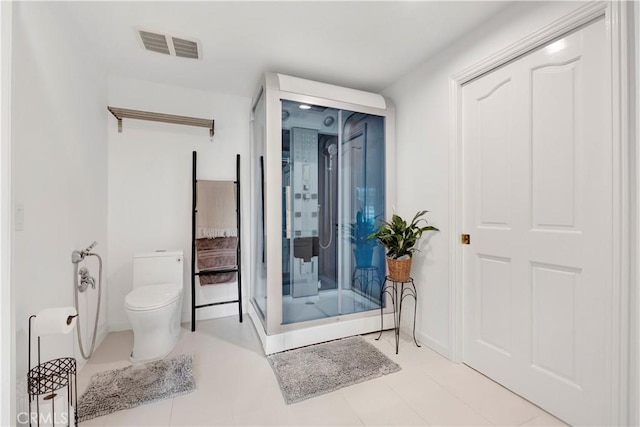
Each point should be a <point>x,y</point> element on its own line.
<point>158,267</point>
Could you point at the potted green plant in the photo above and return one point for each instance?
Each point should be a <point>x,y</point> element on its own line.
<point>400,238</point>
<point>358,234</point>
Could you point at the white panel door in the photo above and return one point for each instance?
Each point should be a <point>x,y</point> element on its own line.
<point>537,204</point>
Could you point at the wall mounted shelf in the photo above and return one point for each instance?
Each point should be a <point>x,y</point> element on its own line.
<point>123,113</point>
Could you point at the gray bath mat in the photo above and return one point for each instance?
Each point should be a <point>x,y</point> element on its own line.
<point>135,385</point>
<point>318,369</point>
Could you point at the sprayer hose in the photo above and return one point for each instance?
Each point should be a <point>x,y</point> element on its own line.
<point>330,214</point>
<point>75,299</point>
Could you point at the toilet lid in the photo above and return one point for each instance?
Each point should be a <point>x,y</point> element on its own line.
<point>151,296</point>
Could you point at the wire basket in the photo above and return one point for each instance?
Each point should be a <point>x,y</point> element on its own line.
<point>51,376</point>
<point>399,269</point>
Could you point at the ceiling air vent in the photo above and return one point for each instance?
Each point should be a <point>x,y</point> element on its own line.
<point>154,42</point>
<point>170,45</point>
<point>185,48</point>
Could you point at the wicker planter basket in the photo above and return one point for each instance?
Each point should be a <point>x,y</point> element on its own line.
<point>399,269</point>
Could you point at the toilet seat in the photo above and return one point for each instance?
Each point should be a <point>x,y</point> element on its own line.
<point>151,297</point>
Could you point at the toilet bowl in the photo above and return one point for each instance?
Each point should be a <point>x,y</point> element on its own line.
<point>154,306</point>
<point>154,314</point>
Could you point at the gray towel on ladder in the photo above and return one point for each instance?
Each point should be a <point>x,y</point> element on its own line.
<point>219,253</point>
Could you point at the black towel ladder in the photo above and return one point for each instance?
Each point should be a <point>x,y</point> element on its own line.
<point>238,269</point>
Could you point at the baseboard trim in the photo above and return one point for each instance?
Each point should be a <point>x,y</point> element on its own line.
<point>213,312</point>
<point>434,344</point>
<point>119,326</point>
<point>103,330</point>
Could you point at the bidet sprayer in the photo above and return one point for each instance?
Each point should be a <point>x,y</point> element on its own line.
<point>90,247</point>
<point>78,256</point>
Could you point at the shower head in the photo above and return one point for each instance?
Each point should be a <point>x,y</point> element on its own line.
<point>331,150</point>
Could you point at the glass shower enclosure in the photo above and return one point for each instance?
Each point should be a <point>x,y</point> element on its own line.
<point>321,178</point>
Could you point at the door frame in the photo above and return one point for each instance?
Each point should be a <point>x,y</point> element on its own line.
<point>618,52</point>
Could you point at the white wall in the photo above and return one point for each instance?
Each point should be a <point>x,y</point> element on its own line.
<point>422,135</point>
<point>634,417</point>
<point>7,336</point>
<point>59,167</point>
<point>150,183</point>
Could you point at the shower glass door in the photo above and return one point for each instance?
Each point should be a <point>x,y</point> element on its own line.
<point>333,184</point>
<point>362,204</point>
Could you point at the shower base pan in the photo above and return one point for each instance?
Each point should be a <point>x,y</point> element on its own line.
<point>340,327</point>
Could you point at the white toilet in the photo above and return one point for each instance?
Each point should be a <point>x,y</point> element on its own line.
<point>155,304</point>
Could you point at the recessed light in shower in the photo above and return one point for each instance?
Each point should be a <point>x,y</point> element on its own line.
<point>304,107</point>
<point>328,121</point>
<point>285,115</point>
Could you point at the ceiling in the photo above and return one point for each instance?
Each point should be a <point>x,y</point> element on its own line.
<point>364,45</point>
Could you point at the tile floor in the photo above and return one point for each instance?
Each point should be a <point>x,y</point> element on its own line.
<point>236,387</point>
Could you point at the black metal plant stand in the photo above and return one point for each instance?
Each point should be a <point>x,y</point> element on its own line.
<point>398,291</point>
<point>48,378</point>
<point>365,279</point>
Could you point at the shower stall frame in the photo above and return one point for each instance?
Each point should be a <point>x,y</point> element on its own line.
<point>274,88</point>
